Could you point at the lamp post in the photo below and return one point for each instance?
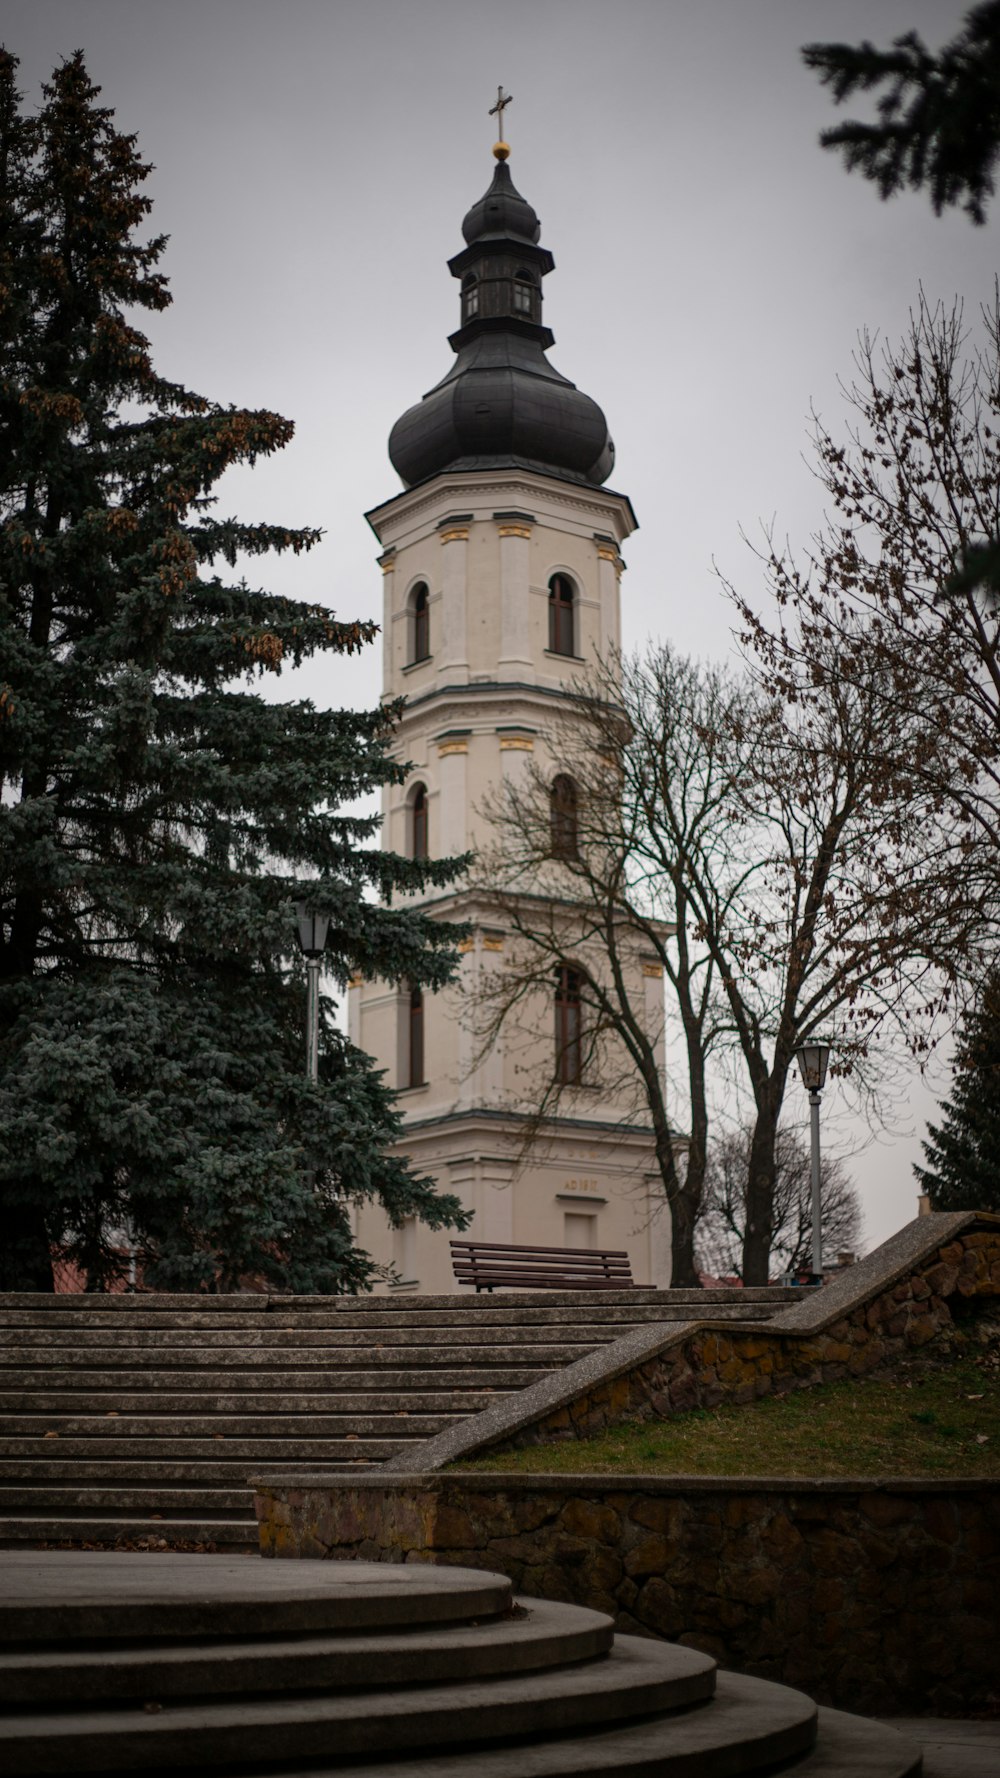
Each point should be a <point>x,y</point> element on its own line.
<point>312,930</point>
<point>812,1059</point>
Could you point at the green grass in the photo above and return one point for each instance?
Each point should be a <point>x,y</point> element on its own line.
<point>937,1417</point>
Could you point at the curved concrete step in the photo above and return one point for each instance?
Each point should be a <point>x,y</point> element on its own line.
<point>541,1636</point>
<point>733,1735</point>
<point>637,1678</point>
<point>368,1670</point>
<point>73,1597</point>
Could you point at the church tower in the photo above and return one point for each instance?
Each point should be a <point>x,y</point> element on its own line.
<point>501,564</point>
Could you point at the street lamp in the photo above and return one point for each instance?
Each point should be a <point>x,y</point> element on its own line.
<point>312,931</point>
<point>812,1059</point>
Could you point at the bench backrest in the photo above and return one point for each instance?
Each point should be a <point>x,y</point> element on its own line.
<point>492,1264</point>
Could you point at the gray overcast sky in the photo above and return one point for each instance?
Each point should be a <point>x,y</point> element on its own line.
<point>314,160</point>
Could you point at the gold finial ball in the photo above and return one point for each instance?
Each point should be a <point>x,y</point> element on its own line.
<point>501,150</point>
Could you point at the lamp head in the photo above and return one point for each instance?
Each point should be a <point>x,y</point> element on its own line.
<point>312,926</point>
<point>812,1059</point>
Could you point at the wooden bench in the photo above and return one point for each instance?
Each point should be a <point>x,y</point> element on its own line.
<point>498,1264</point>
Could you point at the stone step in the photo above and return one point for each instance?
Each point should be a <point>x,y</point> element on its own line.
<point>404,1423</point>
<point>148,1503</point>
<point>276,1404</point>
<point>111,1532</point>
<point>185,1392</point>
<point>326,1378</point>
<point>252,1302</point>
<point>24,1321</point>
<point>261,1451</point>
<point>637,1677</point>
<point>280,1346</point>
<point>548,1637</point>
<point>249,1307</point>
<point>234,1500</point>
<point>460,1313</point>
<point>126,1468</point>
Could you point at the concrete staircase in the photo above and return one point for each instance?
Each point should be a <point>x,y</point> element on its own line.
<point>128,1664</point>
<point>137,1419</point>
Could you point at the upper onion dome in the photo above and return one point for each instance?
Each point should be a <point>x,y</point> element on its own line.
<point>501,211</point>
<point>502,405</point>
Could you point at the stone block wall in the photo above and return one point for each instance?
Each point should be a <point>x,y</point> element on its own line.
<point>872,1597</point>
<point>715,1364</point>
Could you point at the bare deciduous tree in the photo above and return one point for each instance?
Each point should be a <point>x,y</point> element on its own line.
<point>904,577</point>
<point>750,842</point>
<point>570,881</point>
<point>827,904</point>
<point>722,1221</point>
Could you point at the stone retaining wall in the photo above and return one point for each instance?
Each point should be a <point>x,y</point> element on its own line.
<point>873,1597</point>
<point>714,1365</point>
<point>914,1287</point>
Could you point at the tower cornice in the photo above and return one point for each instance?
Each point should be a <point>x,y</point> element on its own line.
<point>418,510</point>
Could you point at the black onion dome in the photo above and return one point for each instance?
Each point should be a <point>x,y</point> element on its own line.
<point>501,211</point>
<point>502,405</point>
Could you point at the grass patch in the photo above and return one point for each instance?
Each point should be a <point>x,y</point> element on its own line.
<point>924,1417</point>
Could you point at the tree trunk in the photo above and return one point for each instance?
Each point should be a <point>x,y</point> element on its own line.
<point>760,1194</point>
<point>683,1267</point>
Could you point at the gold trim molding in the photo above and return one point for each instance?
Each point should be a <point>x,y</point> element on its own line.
<point>514,531</point>
<point>470,488</point>
<point>492,944</point>
<point>457,534</point>
<point>446,747</point>
<point>516,744</point>
<point>654,971</point>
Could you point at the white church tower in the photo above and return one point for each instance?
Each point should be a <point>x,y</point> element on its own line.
<point>501,562</point>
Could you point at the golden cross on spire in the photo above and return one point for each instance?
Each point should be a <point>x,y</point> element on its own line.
<point>497,111</point>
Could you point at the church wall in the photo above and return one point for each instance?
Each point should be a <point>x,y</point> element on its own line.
<point>481,709</point>
<point>575,1177</point>
<point>487,569</point>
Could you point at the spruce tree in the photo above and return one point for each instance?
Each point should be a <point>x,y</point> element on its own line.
<point>938,123</point>
<point>158,818</point>
<point>963,1154</point>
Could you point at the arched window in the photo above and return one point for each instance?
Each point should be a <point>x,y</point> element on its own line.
<point>416,1038</point>
<point>418,823</point>
<point>569,1028</point>
<point>524,292</point>
<point>470,296</point>
<point>420,623</point>
<point>563,817</point>
<point>561,601</point>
